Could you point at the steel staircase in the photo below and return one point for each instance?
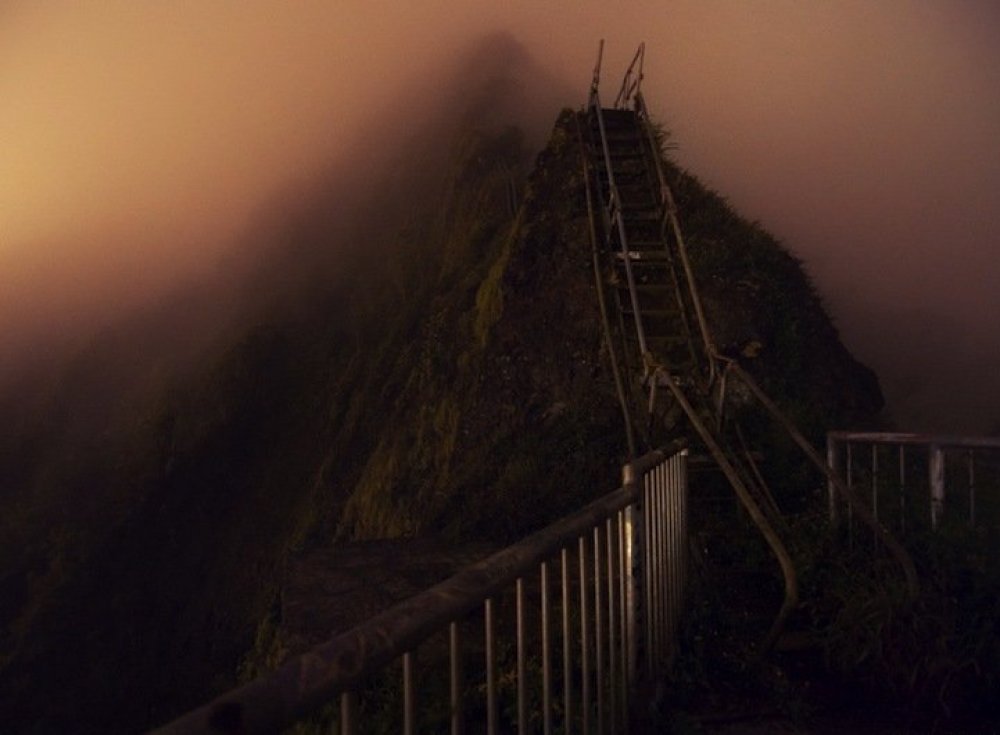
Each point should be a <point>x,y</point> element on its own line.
<point>668,373</point>
<point>645,278</point>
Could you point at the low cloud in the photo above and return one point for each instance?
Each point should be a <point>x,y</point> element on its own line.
<point>142,142</point>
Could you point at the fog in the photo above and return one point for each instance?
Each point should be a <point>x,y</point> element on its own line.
<point>139,145</point>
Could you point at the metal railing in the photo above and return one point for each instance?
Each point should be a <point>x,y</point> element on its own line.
<point>895,471</point>
<point>621,565</point>
<point>613,220</point>
<point>632,80</point>
<point>670,226</point>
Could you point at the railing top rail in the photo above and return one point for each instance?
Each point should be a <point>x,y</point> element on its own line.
<point>940,440</point>
<point>633,78</point>
<point>595,83</point>
<point>305,683</point>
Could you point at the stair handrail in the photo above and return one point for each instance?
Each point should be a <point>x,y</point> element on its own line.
<point>670,212</point>
<point>613,214</point>
<point>595,82</point>
<point>757,515</point>
<point>837,484</point>
<point>719,366</point>
<point>601,301</point>
<point>632,80</point>
<point>305,683</point>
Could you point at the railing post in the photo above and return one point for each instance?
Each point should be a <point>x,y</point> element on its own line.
<point>833,462</point>
<point>902,488</point>
<point>455,678</point>
<point>408,703</point>
<point>937,484</point>
<point>849,479</point>
<point>972,489</point>
<point>875,490</point>
<point>492,711</point>
<point>681,564</point>
<point>633,560</point>
<point>348,714</point>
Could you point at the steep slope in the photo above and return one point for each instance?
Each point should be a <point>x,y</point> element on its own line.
<point>455,384</point>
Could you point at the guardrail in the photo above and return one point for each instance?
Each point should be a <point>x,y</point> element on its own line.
<point>889,465</point>
<point>621,565</point>
<point>633,78</point>
<point>611,208</point>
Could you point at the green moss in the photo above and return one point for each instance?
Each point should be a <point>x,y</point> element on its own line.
<point>489,295</point>
<point>269,650</point>
<point>373,510</point>
<point>446,420</point>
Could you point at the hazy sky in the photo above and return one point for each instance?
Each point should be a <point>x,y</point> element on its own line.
<point>138,139</point>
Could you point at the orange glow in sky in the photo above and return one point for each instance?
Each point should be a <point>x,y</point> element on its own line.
<point>137,141</point>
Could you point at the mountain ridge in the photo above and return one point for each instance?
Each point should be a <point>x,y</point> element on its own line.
<point>456,386</point>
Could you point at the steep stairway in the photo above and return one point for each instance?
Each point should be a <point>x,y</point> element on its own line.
<point>643,266</point>
<point>670,378</point>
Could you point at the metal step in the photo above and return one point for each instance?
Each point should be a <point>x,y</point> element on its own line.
<point>623,155</point>
<point>645,256</point>
<point>613,115</point>
<point>640,192</point>
<point>639,244</point>
<point>619,138</point>
<point>622,176</point>
<point>641,216</point>
<point>653,313</point>
<point>675,353</point>
<point>651,295</point>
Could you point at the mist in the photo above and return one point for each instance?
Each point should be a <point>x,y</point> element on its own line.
<point>147,148</point>
<point>313,250</point>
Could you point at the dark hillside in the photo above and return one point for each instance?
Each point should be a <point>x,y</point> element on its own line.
<point>764,311</point>
<point>455,385</point>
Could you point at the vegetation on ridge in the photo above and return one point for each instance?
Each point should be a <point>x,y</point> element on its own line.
<point>456,385</point>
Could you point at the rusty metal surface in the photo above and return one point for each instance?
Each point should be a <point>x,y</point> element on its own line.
<point>316,677</point>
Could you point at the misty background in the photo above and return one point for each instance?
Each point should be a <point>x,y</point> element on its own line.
<point>142,147</point>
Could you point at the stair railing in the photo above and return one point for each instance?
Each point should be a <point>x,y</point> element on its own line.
<point>613,219</point>
<point>669,208</point>
<point>632,81</point>
<point>836,484</point>
<point>595,81</point>
<point>719,366</point>
<point>619,566</point>
<point>602,302</point>
<point>759,518</point>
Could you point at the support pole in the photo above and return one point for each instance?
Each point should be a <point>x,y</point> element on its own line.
<point>633,556</point>
<point>937,484</point>
<point>833,462</point>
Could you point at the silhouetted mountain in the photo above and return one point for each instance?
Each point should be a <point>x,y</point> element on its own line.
<point>446,376</point>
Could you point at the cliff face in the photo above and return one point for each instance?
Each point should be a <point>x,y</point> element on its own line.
<point>455,384</point>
